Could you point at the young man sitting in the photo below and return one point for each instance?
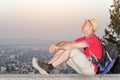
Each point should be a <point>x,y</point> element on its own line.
<point>70,52</point>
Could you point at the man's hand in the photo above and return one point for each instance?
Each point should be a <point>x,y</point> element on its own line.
<point>64,45</point>
<point>53,48</point>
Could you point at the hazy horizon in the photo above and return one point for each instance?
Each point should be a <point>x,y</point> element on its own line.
<point>50,19</point>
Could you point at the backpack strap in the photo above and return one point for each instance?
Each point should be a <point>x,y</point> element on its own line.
<point>108,56</point>
<point>107,69</point>
<point>93,58</point>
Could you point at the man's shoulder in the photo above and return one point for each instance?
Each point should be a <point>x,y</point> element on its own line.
<point>80,39</point>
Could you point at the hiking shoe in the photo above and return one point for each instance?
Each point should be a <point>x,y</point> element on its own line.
<point>43,68</point>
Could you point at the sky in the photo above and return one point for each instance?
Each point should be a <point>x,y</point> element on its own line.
<point>50,19</point>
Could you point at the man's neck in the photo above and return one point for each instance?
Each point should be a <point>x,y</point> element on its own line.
<point>88,33</point>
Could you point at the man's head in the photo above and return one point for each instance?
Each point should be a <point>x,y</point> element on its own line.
<point>90,24</point>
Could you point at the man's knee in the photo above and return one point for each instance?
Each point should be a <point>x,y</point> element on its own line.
<point>74,52</point>
<point>60,51</point>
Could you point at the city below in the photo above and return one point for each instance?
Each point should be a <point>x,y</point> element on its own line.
<point>16,59</point>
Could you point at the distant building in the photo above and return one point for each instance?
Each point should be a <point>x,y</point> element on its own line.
<point>12,56</point>
<point>2,69</point>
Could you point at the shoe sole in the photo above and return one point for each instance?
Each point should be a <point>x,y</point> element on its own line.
<point>36,66</point>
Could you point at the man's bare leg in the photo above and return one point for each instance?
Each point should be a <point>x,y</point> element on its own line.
<point>45,68</point>
<point>63,58</point>
<point>56,56</point>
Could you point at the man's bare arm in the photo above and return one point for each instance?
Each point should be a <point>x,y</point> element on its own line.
<point>72,45</point>
<point>65,45</point>
<point>62,43</point>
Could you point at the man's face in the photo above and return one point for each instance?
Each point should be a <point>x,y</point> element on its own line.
<point>85,26</point>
